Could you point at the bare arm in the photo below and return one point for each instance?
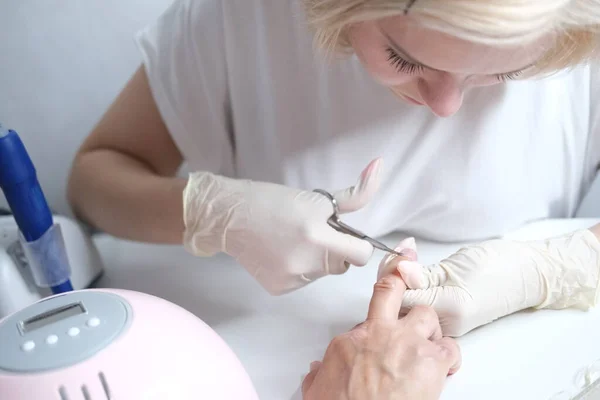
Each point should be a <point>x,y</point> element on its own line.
<point>123,177</point>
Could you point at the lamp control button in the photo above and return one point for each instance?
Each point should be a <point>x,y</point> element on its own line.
<point>52,339</point>
<point>73,332</point>
<point>28,346</point>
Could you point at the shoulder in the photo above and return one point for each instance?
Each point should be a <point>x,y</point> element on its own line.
<point>235,24</point>
<point>262,18</point>
<point>243,13</point>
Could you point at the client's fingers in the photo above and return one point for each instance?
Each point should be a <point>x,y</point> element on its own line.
<point>357,326</point>
<point>451,354</point>
<point>424,321</point>
<point>310,378</point>
<point>387,298</point>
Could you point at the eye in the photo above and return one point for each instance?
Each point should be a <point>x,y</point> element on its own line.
<point>509,77</point>
<point>400,64</point>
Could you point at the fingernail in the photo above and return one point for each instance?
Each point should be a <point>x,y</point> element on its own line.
<point>376,168</point>
<point>411,243</point>
<point>408,253</point>
<point>314,365</point>
<point>368,173</point>
<point>408,248</point>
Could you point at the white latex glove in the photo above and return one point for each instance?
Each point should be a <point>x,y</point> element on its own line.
<point>279,234</point>
<point>486,281</point>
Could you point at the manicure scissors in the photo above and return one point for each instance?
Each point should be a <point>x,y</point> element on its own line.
<point>337,224</point>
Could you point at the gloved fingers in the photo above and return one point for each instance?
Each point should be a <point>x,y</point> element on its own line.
<point>353,250</point>
<point>356,197</point>
<point>423,297</point>
<point>413,273</point>
<point>336,264</point>
<point>453,304</point>
<point>417,276</point>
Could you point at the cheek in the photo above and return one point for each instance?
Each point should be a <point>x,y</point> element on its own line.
<point>383,72</point>
<point>485,81</point>
<point>392,78</point>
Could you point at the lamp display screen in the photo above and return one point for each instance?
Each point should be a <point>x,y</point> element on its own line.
<point>52,316</point>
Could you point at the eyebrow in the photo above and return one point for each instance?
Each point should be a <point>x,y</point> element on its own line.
<point>401,52</point>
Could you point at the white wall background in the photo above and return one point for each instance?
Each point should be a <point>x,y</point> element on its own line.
<point>62,62</point>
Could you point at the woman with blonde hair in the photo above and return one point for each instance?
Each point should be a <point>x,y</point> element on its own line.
<point>486,112</point>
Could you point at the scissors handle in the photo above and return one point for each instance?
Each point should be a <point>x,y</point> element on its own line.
<point>335,222</point>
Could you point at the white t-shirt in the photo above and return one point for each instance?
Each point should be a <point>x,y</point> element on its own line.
<point>244,94</point>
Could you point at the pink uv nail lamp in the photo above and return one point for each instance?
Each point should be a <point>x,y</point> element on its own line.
<point>115,345</point>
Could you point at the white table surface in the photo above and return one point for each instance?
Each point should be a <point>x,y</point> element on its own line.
<point>530,355</point>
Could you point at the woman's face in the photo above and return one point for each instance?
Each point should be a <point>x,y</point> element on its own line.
<point>425,67</point>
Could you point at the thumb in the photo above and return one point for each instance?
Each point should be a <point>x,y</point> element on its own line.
<point>356,197</point>
<point>310,378</point>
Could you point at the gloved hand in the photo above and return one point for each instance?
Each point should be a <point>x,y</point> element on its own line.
<point>279,234</point>
<point>486,281</point>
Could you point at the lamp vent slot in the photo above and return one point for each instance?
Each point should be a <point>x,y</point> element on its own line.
<point>105,386</point>
<point>86,393</point>
<point>63,393</point>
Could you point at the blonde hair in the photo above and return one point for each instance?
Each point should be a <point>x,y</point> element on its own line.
<point>576,23</point>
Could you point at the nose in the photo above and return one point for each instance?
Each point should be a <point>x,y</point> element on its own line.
<point>443,93</point>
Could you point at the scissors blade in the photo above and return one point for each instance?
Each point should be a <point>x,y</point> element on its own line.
<point>340,226</point>
<point>378,245</point>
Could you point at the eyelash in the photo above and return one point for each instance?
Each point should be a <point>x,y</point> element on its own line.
<point>403,66</point>
<point>509,77</point>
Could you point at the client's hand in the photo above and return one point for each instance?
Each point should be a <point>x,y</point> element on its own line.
<point>385,358</point>
<point>486,281</point>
